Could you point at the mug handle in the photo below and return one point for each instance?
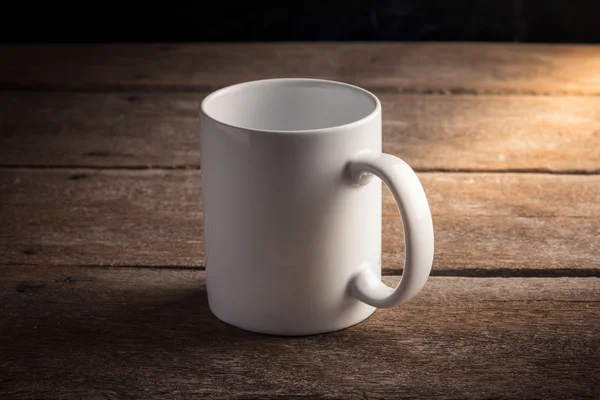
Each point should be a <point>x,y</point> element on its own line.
<point>418,230</point>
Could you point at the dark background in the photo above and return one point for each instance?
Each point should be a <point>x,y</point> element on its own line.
<point>405,20</point>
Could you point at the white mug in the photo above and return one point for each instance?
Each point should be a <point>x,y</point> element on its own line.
<point>291,173</point>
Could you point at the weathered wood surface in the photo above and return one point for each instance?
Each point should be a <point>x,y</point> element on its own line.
<point>429,132</point>
<point>99,130</point>
<point>66,217</point>
<point>414,67</point>
<point>485,224</point>
<point>129,333</point>
<point>72,328</point>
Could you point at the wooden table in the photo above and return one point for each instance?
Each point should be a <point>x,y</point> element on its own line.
<point>102,280</point>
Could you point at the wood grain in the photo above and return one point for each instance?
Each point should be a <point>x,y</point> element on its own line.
<point>415,67</point>
<point>130,333</point>
<point>66,217</point>
<point>140,130</point>
<point>126,193</point>
<point>99,130</point>
<point>485,224</point>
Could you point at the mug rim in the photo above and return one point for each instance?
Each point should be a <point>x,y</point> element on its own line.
<point>373,114</point>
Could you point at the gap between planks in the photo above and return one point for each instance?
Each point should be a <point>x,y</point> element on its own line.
<point>159,168</point>
<point>90,88</point>
<point>437,272</point>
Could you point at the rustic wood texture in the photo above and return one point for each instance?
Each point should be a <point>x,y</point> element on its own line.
<point>556,134</point>
<point>66,217</point>
<point>486,224</point>
<point>99,130</point>
<point>414,67</point>
<point>129,333</point>
<point>506,141</point>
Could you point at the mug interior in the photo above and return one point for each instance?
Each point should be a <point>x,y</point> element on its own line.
<point>289,105</point>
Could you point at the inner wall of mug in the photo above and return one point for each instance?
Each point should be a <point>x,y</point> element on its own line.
<point>289,105</point>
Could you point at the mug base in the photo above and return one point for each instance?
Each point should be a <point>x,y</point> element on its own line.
<point>285,331</point>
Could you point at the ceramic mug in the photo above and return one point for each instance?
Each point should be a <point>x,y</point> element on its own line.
<point>291,173</point>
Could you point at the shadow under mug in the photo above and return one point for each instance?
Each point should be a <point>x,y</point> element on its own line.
<point>291,175</point>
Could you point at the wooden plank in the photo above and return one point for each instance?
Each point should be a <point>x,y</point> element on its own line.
<point>430,132</point>
<point>101,218</point>
<point>485,224</point>
<point>416,67</point>
<point>99,130</point>
<point>125,333</point>
<point>523,224</point>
